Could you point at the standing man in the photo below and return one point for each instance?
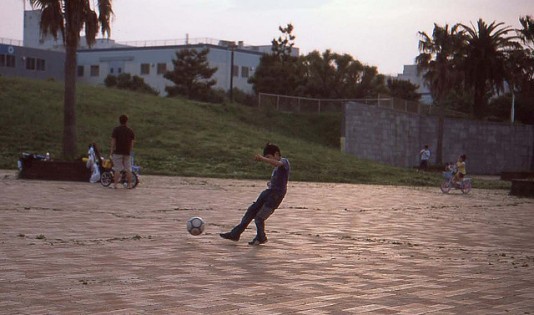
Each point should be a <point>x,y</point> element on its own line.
<point>424,155</point>
<point>122,141</point>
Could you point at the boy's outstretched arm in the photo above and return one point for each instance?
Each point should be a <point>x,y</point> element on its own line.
<point>273,162</point>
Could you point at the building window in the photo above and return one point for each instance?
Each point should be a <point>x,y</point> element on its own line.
<point>80,71</point>
<point>145,68</point>
<point>41,64</point>
<point>235,71</point>
<point>119,70</point>
<point>30,63</point>
<point>95,70</point>
<point>162,68</point>
<point>11,61</point>
<point>244,72</point>
<point>111,70</point>
<point>2,60</point>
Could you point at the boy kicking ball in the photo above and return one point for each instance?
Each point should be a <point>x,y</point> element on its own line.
<point>268,200</point>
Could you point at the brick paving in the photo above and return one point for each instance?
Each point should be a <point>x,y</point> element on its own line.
<point>78,248</point>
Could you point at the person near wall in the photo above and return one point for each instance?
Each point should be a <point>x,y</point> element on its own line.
<point>424,156</point>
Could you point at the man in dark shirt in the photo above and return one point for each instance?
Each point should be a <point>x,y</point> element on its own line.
<point>122,141</point>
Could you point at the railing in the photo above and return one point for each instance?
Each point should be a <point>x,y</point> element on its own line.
<point>315,105</point>
<point>171,42</point>
<point>8,41</point>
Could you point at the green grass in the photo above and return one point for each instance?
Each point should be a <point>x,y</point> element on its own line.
<point>187,138</point>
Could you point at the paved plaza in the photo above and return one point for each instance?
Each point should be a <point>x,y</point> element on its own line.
<point>79,248</point>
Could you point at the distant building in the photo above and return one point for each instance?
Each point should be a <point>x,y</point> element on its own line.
<point>151,63</point>
<point>17,61</point>
<point>147,59</point>
<point>410,74</point>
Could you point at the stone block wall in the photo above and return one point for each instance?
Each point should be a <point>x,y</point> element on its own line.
<point>395,138</point>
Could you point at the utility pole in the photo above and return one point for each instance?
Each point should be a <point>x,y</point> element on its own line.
<point>232,50</point>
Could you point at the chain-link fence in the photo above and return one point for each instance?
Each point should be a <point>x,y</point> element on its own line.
<point>315,105</point>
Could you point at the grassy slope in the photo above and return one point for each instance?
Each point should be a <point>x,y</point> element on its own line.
<point>180,137</point>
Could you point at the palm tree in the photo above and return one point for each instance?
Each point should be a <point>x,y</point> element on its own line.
<point>438,60</point>
<point>486,59</point>
<point>70,17</point>
<point>527,32</point>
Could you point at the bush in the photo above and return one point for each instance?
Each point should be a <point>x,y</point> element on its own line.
<point>244,98</point>
<point>110,81</point>
<point>126,82</point>
<point>217,96</point>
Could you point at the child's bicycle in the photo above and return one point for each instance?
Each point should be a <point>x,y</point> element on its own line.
<point>107,174</point>
<point>464,185</point>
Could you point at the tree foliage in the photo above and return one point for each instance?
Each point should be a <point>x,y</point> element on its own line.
<point>438,60</point>
<point>403,89</point>
<point>279,72</point>
<point>333,75</point>
<point>526,33</point>
<point>321,75</point>
<point>283,46</point>
<point>191,74</point>
<point>277,77</point>
<point>487,50</point>
<point>481,60</point>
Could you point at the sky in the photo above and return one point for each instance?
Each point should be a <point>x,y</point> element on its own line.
<point>381,33</point>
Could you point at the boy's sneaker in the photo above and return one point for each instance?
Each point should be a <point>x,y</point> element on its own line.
<point>229,236</point>
<point>256,241</point>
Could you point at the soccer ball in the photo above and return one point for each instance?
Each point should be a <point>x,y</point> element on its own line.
<point>195,226</point>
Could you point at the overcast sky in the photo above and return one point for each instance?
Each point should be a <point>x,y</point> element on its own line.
<point>382,33</point>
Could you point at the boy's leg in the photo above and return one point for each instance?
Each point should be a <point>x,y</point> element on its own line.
<point>249,215</point>
<point>264,213</point>
<point>273,201</point>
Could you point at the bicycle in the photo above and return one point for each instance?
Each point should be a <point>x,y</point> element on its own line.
<point>107,178</point>
<point>464,185</point>
<point>107,174</point>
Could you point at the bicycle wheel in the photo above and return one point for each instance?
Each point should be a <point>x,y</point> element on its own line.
<point>135,180</point>
<point>445,186</point>
<point>106,178</point>
<point>466,186</point>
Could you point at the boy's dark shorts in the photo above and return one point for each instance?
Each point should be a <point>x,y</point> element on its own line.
<point>423,164</point>
<point>273,200</point>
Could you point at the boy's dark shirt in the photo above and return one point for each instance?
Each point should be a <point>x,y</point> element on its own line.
<point>123,139</point>
<point>280,176</point>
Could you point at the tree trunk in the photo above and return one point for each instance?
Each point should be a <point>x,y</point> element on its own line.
<point>69,110</point>
<point>479,102</point>
<point>439,145</point>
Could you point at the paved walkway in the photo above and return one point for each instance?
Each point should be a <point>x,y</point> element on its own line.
<point>78,248</point>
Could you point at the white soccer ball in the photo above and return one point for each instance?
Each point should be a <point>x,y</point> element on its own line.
<point>195,225</point>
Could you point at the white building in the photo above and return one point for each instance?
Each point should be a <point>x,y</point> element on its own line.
<point>410,74</point>
<point>151,63</point>
<point>151,59</point>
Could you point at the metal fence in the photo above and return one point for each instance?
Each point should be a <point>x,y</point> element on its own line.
<point>8,41</point>
<point>315,105</point>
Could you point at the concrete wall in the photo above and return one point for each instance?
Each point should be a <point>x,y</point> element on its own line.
<point>395,138</point>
